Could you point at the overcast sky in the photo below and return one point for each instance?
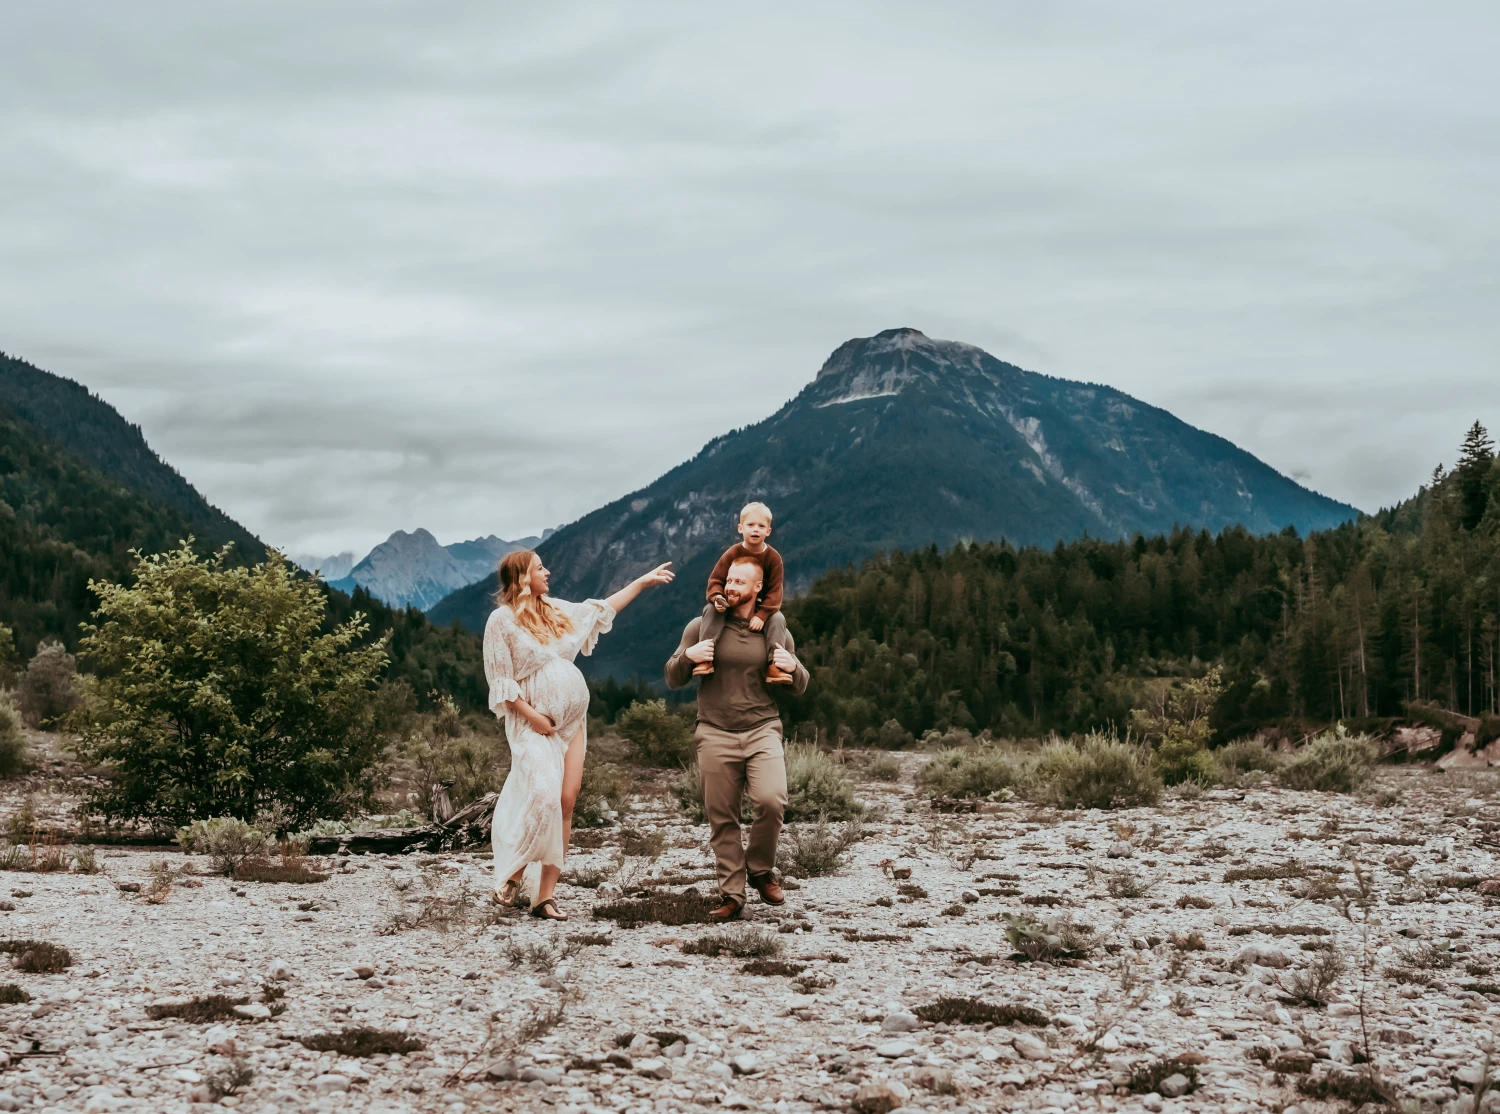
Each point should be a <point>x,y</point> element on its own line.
<point>363,266</point>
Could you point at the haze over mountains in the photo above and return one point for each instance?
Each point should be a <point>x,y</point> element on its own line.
<point>902,442</point>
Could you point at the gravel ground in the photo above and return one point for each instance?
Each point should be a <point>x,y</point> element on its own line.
<point>1193,967</point>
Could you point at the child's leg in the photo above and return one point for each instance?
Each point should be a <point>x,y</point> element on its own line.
<point>775,632</point>
<point>710,626</point>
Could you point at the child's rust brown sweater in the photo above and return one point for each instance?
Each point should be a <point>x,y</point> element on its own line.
<point>769,561</point>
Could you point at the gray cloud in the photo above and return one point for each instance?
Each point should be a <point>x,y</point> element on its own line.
<point>356,267</point>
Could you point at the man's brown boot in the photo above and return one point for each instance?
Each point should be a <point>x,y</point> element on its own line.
<point>729,911</point>
<point>770,892</point>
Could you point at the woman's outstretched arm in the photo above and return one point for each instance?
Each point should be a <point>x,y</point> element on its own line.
<point>662,574</point>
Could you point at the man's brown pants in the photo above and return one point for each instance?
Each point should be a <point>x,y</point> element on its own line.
<point>729,764</point>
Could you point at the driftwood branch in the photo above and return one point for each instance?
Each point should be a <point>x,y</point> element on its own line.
<point>468,827</point>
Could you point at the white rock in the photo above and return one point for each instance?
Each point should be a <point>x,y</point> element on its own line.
<point>1341,1052</point>
<point>331,1082</point>
<point>1261,956</point>
<point>1120,849</point>
<point>894,1050</point>
<point>969,897</point>
<point>187,1075</point>
<point>656,1069</point>
<point>1108,1043</point>
<point>1287,1042</point>
<point>279,969</point>
<point>880,1096</point>
<point>1151,1101</point>
<point>899,1021</point>
<point>1174,1086</point>
<point>1033,1048</point>
<point>718,1070</point>
<point>254,1011</point>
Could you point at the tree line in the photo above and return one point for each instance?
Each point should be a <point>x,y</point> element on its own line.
<point>1354,623</point>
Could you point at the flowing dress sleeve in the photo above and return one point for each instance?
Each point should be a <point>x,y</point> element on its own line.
<point>499,668</point>
<point>591,618</point>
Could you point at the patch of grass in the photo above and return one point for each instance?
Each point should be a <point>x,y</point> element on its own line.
<point>1148,1077</point>
<point>772,967</point>
<point>1126,883</point>
<point>540,955</point>
<point>911,890</point>
<point>971,1011</point>
<point>362,1041</point>
<point>648,845</point>
<point>657,908</point>
<point>591,939</point>
<point>817,786</point>
<point>1310,985</point>
<point>437,908</point>
<point>859,936</point>
<point>37,957</point>
<point>887,768</point>
<point>1267,873</point>
<point>227,841</point>
<point>197,1011</point>
<point>12,995</point>
<point>264,870</point>
<point>745,942</point>
<point>971,771</point>
<point>816,849</point>
<point>1193,901</point>
<point>1052,939</point>
<point>587,877</point>
<point>1279,930</point>
<point>1336,762</point>
<point>1354,1088</point>
<point>1098,772</point>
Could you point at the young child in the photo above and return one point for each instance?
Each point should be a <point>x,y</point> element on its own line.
<point>754,529</point>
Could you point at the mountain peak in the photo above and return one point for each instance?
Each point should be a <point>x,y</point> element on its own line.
<point>888,362</point>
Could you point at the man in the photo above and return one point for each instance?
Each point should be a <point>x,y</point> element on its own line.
<point>739,739</point>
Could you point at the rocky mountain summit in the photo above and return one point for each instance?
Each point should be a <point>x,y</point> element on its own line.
<point>901,442</point>
<point>413,570</point>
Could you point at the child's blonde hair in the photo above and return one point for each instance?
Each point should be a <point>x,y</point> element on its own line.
<point>756,506</point>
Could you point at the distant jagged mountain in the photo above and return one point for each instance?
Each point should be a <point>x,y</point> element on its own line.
<point>902,442</point>
<point>413,570</point>
<point>335,567</point>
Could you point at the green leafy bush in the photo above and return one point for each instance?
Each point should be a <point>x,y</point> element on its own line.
<point>657,736</point>
<point>48,690</point>
<point>228,842</point>
<point>816,785</point>
<point>12,739</point>
<point>1249,756</point>
<point>1335,762</point>
<point>1054,938</point>
<point>10,663</point>
<point>447,751</point>
<point>971,771</point>
<point>1176,725</point>
<point>221,694</point>
<point>1095,772</point>
<point>886,767</point>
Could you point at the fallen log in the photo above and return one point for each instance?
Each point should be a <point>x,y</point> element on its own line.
<point>468,827</point>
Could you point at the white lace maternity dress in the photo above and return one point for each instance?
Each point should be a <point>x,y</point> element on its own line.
<point>528,815</point>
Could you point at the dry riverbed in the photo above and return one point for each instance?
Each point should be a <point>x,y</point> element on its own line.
<point>1209,916</point>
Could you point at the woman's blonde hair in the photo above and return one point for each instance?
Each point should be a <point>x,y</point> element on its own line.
<point>536,613</point>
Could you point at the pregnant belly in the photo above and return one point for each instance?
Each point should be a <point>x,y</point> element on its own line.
<point>559,690</point>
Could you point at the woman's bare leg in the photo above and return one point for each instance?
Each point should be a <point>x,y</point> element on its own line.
<point>572,781</point>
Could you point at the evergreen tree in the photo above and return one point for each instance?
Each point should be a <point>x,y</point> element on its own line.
<point>1473,473</point>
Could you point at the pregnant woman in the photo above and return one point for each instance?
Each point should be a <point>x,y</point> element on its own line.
<point>530,642</point>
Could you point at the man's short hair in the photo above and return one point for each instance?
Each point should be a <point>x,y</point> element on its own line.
<point>753,563</point>
<point>756,506</point>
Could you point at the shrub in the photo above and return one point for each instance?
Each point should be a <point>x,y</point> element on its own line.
<point>48,690</point>
<point>1310,985</point>
<point>816,849</point>
<point>227,841</point>
<point>201,1010</point>
<point>603,796</point>
<point>1176,725</point>
<point>264,870</point>
<point>446,752</point>
<point>12,739</point>
<point>362,1041</point>
<point>1249,756</point>
<point>884,768</point>
<point>972,771</point>
<point>1178,761</point>
<point>745,942</point>
<point>773,967</point>
<point>13,995</point>
<point>10,663</point>
<point>657,737</point>
<point>1148,1077</point>
<point>892,736</point>
<point>817,786</point>
<point>1098,772</point>
<point>1055,938</point>
<point>220,692</point>
<point>658,908</point>
<point>971,1011</point>
<point>1336,762</point>
<point>37,956</point>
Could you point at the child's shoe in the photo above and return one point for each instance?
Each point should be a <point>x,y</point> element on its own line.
<point>703,669</point>
<point>775,675</point>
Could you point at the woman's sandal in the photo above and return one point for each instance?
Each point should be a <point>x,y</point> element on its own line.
<point>541,907</point>
<point>506,896</point>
